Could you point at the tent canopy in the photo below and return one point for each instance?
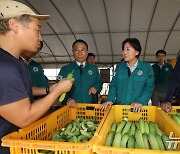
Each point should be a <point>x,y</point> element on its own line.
<point>104,25</point>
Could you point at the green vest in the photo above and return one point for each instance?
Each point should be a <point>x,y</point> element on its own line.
<point>37,75</point>
<point>83,82</point>
<point>162,76</point>
<point>126,88</point>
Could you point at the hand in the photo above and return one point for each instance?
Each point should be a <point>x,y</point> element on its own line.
<point>71,103</point>
<point>136,107</point>
<point>92,90</point>
<point>105,105</point>
<point>64,85</point>
<point>166,106</point>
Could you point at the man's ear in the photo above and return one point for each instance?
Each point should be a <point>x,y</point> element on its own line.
<point>13,25</point>
<point>137,52</point>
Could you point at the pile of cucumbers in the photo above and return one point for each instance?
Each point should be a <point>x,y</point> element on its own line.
<point>80,130</point>
<point>77,131</point>
<point>138,135</point>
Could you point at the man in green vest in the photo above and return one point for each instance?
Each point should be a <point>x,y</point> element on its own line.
<point>162,72</point>
<point>35,70</point>
<point>91,58</point>
<point>87,79</point>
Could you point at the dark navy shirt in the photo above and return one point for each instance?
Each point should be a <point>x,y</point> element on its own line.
<point>15,84</point>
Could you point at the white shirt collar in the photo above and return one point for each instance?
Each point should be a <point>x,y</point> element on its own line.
<point>160,65</point>
<point>132,68</point>
<point>26,61</point>
<point>80,63</point>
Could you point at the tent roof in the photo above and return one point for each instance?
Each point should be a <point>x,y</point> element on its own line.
<point>104,24</point>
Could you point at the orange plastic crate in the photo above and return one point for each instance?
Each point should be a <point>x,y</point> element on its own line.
<point>38,135</point>
<point>148,113</point>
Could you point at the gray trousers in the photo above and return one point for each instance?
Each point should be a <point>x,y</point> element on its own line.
<point>157,98</point>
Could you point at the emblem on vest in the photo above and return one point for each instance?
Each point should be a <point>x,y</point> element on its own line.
<point>35,69</point>
<point>166,69</point>
<point>90,72</point>
<point>140,72</point>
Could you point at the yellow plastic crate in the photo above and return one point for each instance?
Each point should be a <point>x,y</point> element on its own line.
<point>148,113</point>
<point>172,62</point>
<point>175,109</point>
<point>38,135</point>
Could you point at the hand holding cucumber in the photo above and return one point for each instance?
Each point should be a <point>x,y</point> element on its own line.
<point>64,85</point>
<point>69,76</point>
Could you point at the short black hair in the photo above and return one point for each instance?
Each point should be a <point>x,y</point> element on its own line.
<point>79,41</point>
<point>134,42</point>
<point>161,51</point>
<point>91,54</point>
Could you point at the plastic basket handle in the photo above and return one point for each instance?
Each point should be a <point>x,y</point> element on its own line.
<point>178,110</point>
<point>89,107</point>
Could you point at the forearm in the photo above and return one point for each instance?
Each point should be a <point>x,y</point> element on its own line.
<point>38,109</point>
<point>22,113</point>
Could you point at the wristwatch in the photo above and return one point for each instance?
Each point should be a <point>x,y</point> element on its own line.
<point>47,90</point>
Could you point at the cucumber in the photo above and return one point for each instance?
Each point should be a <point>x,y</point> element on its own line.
<point>152,128</point>
<point>158,131</point>
<point>137,125</point>
<point>120,126</point>
<point>160,142</point>
<point>146,127</point>
<point>139,139</point>
<point>117,140</point>
<point>56,134</point>
<point>81,138</point>
<point>62,97</point>
<point>114,126</point>
<point>110,138</point>
<point>126,127</point>
<point>153,142</point>
<point>124,140</point>
<point>132,129</point>
<point>176,119</point>
<point>131,142</point>
<point>87,134</point>
<point>146,141</point>
<point>141,125</point>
